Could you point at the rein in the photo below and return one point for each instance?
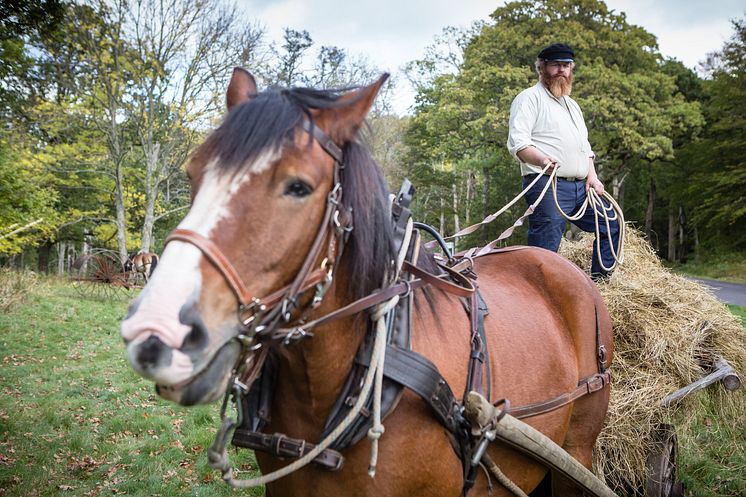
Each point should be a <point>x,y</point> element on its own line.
<point>593,199</point>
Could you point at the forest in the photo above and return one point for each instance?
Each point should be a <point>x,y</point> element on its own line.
<point>104,100</point>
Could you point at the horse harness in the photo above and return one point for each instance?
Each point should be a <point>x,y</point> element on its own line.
<point>281,318</point>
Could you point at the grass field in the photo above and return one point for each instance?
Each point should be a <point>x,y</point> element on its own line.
<point>75,420</point>
<point>727,267</point>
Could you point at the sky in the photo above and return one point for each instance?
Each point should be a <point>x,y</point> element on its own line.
<point>391,33</point>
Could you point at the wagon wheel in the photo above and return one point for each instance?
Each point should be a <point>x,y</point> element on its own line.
<point>662,465</point>
<point>99,275</point>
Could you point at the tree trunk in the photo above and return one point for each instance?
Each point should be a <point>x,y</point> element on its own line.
<point>682,252</point>
<point>617,188</point>
<point>650,210</point>
<point>61,246</point>
<point>442,216</point>
<point>671,234</point>
<point>456,221</point>
<point>469,197</point>
<point>151,192</point>
<point>486,201</point>
<point>42,264</point>
<point>121,220</point>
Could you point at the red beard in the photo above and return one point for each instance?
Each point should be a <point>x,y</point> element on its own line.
<point>559,85</point>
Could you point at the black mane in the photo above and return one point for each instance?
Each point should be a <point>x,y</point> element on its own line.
<point>267,123</point>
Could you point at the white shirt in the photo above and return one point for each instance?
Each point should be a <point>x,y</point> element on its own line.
<point>554,126</point>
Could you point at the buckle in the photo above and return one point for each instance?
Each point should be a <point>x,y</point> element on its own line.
<point>256,309</point>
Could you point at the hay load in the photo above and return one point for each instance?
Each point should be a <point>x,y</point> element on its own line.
<point>668,333</point>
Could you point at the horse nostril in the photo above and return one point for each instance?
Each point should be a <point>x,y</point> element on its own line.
<point>152,352</point>
<point>196,339</point>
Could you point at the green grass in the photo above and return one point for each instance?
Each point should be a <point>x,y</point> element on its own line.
<point>738,311</point>
<point>712,459</point>
<point>76,420</point>
<point>727,267</point>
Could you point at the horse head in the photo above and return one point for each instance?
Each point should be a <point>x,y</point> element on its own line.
<point>264,233</point>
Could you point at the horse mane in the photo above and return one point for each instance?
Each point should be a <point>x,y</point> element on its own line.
<point>267,123</point>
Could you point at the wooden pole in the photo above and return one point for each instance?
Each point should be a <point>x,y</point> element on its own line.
<point>723,372</point>
<point>534,444</point>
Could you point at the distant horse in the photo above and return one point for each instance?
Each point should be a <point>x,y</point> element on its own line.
<point>142,263</point>
<point>290,222</point>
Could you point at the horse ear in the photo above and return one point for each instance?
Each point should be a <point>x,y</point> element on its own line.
<point>341,123</point>
<point>241,88</point>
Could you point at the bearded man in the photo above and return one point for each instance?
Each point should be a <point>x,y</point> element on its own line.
<point>547,129</point>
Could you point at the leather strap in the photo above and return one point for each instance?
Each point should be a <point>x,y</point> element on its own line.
<point>280,445</point>
<point>218,259</point>
<point>324,140</point>
<point>417,373</point>
<point>223,265</point>
<point>587,385</point>
<point>464,287</point>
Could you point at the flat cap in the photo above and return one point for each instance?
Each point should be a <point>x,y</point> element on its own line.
<point>557,51</point>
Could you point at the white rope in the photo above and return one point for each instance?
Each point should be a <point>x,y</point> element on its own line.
<point>375,431</point>
<point>379,349</point>
<point>493,216</point>
<point>592,199</point>
<point>379,318</point>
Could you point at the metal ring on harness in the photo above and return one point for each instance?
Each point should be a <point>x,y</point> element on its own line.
<point>408,292</point>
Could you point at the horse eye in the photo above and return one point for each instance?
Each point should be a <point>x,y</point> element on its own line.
<point>298,189</point>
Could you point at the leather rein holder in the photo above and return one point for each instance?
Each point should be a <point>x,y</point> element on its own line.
<point>332,228</point>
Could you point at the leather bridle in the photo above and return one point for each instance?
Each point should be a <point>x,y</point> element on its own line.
<point>259,316</point>
<point>278,316</point>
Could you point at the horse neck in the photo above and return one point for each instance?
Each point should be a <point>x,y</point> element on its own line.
<point>312,373</point>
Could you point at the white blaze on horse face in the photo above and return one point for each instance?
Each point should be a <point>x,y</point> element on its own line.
<point>177,281</point>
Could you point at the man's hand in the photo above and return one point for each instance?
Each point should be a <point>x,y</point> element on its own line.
<point>552,163</point>
<point>596,184</point>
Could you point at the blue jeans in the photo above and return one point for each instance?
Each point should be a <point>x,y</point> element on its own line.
<point>546,225</point>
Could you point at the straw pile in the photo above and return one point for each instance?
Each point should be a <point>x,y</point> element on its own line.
<point>667,330</point>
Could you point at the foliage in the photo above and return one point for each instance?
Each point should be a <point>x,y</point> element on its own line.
<point>712,458</point>
<point>726,266</point>
<point>26,199</point>
<point>717,168</point>
<point>739,311</point>
<point>106,99</point>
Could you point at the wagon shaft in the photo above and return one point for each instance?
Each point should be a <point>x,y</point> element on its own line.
<point>533,443</point>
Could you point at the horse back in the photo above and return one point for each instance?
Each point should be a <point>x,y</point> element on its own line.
<point>545,321</point>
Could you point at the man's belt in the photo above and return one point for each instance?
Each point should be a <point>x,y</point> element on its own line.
<point>533,175</point>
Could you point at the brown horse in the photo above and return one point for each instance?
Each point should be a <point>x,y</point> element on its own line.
<point>144,263</point>
<point>263,186</point>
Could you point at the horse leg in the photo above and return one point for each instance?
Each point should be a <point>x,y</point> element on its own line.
<point>586,423</point>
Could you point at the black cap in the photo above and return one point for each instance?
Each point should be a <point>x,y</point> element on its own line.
<point>557,51</point>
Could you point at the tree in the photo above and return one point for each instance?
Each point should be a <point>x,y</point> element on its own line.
<point>185,50</point>
<point>716,165</point>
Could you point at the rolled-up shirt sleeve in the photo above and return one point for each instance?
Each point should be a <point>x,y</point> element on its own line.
<point>523,112</point>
